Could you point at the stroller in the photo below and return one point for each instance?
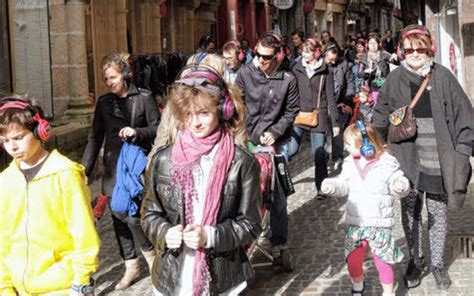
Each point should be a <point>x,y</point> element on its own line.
<point>266,158</point>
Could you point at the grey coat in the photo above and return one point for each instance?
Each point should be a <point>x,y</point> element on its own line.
<point>453,123</point>
<point>308,89</point>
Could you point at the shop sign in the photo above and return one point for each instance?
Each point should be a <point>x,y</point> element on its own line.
<point>283,4</point>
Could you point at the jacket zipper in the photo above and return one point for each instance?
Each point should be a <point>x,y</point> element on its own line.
<point>26,236</point>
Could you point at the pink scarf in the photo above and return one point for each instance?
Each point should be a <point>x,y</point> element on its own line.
<point>186,154</point>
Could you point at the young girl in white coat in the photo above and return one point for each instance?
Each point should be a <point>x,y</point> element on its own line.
<point>371,178</point>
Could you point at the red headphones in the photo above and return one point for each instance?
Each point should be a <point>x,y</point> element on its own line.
<point>42,130</point>
<point>317,44</point>
<point>411,30</point>
<point>241,55</point>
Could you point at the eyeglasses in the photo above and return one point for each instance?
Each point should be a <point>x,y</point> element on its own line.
<point>418,50</point>
<point>265,57</point>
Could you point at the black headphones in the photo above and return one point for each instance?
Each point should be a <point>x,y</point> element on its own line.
<point>42,129</point>
<point>226,107</point>
<point>367,150</point>
<point>126,72</point>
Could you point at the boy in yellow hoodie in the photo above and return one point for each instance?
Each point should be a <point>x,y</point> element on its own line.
<point>48,242</point>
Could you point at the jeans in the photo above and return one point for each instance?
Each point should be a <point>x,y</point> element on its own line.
<point>279,207</point>
<point>318,141</point>
<point>126,230</point>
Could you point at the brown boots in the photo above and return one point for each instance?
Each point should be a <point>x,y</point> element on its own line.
<point>132,273</point>
<point>132,270</point>
<point>149,257</point>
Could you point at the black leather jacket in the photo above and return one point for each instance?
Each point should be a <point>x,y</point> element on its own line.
<point>238,222</point>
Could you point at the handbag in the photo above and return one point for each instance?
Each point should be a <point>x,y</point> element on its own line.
<point>402,121</point>
<point>310,119</point>
<point>283,178</point>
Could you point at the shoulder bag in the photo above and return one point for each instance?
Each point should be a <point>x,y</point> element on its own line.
<point>402,121</point>
<point>310,119</point>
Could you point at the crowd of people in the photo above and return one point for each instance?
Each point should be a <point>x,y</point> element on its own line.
<point>184,185</point>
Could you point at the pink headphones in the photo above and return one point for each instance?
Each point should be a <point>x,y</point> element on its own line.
<point>226,105</point>
<point>241,55</point>
<point>317,44</point>
<point>411,30</point>
<point>42,130</point>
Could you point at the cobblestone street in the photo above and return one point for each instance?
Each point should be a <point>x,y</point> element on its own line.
<point>316,239</point>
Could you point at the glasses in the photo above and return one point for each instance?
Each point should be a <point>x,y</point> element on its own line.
<point>418,50</point>
<point>265,57</point>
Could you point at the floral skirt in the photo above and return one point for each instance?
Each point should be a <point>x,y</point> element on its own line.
<point>380,240</point>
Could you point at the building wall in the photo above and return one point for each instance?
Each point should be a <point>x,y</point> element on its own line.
<point>30,50</point>
<point>466,20</point>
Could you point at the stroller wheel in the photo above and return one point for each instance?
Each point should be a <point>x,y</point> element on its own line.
<point>287,261</point>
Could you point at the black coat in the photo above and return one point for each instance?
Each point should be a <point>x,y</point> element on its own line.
<point>272,102</point>
<point>344,89</point>
<point>111,115</point>
<point>453,123</point>
<point>238,222</point>
<point>309,89</point>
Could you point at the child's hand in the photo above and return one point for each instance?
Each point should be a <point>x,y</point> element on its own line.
<point>174,237</point>
<point>194,236</point>
<point>401,186</point>
<point>328,187</point>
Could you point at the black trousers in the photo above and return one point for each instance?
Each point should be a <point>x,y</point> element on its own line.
<point>128,230</point>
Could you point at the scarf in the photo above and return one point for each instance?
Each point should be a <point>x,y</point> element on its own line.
<point>421,72</point>
<point>311,68</point>
<point>186,154</point>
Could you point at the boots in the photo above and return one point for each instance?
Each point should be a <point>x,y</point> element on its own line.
<point>132,273</point>
<point>149,257</point>
<point>414,272</point>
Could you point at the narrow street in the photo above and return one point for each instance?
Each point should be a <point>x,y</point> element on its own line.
<point>316,240</point>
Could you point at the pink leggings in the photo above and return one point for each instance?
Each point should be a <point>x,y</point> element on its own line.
<point>355,262</point>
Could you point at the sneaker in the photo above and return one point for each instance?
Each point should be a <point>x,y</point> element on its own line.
<point>276,251</point>
<point>443,282</point>
<point>414,272</point>
<point>358,292</point>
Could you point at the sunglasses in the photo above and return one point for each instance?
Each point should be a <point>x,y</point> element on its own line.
<point>265,57</point>
<point>418,50</point>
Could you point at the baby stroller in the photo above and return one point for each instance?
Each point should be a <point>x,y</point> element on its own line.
<point>266,159</point>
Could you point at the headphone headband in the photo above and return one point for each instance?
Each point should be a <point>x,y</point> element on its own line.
<point>42,130</point>
<point>367,150</point>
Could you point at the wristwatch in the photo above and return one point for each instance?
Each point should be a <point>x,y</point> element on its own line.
<point>84,289</point>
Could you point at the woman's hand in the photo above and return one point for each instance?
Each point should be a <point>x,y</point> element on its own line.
<point>267,139</point>
<point>174,237</point>
<point>127,132</point>
<point>194,236</point>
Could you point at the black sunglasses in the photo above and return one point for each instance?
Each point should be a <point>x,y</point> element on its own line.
<point>265,57</point>
<point>418,50</point>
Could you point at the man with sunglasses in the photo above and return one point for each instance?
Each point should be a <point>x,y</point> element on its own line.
<point>436,159</point>
<point>272,102</point>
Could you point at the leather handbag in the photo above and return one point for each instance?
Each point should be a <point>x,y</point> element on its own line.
<point>402,121</point>
<point>310,119</point>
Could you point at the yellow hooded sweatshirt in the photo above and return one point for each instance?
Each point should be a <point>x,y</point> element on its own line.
<point>48,240</point>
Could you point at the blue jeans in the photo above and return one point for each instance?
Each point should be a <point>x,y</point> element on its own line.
<point>318,141</point>
<point>279,207</point>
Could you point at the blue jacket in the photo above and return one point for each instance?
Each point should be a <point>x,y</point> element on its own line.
<point>128,189</point>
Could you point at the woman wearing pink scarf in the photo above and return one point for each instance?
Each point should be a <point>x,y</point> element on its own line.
<point>203,198</point>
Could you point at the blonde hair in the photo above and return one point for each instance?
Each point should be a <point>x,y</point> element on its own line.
<point>353,134</point>
<point>214,60</point>
<point>183,97</point>
<point>118,61</point>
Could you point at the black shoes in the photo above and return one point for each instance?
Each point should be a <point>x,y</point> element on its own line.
<point>414,272</point>
<point>443,282</point>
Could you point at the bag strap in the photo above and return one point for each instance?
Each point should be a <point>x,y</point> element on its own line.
<point>420,91</point>
<point>319,92</point>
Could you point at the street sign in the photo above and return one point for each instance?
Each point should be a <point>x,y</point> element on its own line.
<point>283,4</point>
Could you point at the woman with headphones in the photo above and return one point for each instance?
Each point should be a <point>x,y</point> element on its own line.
<point>126,113</point>
<point>203,199</point>
<point>436,159</point>
<point>316,89</point>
